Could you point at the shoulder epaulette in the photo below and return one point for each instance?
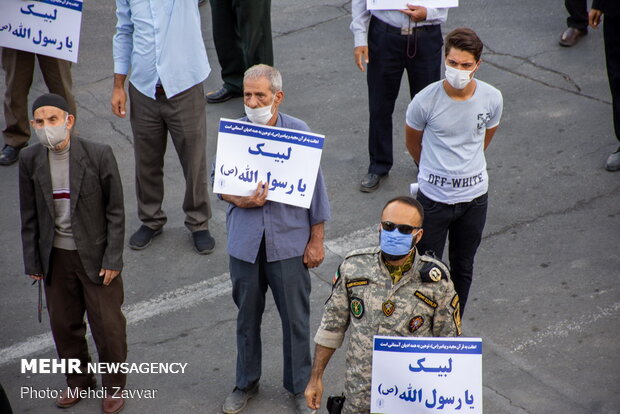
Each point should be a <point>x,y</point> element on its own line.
<point>433,269</point>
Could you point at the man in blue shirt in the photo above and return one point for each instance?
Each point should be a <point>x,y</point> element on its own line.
<point>161,41</point>
<point>272,245</point>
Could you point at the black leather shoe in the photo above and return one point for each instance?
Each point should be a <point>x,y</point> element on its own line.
<point>10,154</point>
<point>221,95</point>
<point>204,243</point>
<point>371,182</point>
<point>143,237</point>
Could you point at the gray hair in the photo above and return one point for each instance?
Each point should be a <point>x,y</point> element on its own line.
<point>264,71</point>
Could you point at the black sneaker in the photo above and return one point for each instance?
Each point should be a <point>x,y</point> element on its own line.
<point>204,243</point>
<point>10,154</point>
<point>143,237</point>
<point>371,182</point>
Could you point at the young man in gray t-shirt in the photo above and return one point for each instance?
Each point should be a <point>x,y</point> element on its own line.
<point>449,125</point>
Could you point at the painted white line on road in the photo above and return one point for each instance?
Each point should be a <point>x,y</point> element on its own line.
<point>181,298</point>
<point>566,327</point>
<point>167,302</point>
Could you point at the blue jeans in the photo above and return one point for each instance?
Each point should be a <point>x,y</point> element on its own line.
<point>462,224</point>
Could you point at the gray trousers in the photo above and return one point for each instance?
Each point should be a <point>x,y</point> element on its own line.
<point>289,281</point>
<point>19,68</point>
<point>184,116</point>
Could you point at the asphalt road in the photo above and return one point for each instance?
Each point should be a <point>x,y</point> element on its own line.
<point>545,297</point>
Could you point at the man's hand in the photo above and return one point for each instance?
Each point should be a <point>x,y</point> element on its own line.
<point>36,277</point>
<point>119,96</point>
<point>257,199</point>
<point>594,18</point>
<point>108,275</point>
<point>314,393</point>
<point>314,253</point>
<point>361,57</point>
<point>415,13</point>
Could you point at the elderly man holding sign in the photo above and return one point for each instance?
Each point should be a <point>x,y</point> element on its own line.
<point>271,244</point>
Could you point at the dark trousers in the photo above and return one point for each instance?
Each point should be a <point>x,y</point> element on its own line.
<point>388,58</point>
<point>289,281</point>
<point>462,224</point>
<point>19,68</point>
<point>5,405</point>
<point>184,116</point>
<point>611,34</point>
<point>69,294</point>
<point>242,37</point>
<point>577,14</point>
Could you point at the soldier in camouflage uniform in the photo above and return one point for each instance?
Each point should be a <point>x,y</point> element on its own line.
<point>411,296</point>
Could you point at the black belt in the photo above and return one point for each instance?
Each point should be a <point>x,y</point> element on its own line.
<point>381,25</point>
<point>159,91</point>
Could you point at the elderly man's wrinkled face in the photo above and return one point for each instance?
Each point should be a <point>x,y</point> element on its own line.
<point>52,126</point>
<point>257,94</point>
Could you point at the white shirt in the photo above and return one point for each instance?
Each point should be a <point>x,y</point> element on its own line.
<point>361,18</point>
<point>452,163</point>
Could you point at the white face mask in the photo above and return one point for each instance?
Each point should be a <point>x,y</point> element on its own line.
<point>260,115</point>
<point>458,79</point>
<point>51,136</point>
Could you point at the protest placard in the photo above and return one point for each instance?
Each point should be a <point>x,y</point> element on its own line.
<point>45,27</point>
<point>402,4</point>
<point>426,375</point>
<point>287,160</point>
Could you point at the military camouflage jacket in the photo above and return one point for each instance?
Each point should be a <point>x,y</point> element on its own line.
<point>422,303</point>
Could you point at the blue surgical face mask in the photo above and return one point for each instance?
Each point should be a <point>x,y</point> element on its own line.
<point>395,244</point>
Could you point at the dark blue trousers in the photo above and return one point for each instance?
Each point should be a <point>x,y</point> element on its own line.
<point>462,224</point>
<point>289,281</point>
<point>389,55</point>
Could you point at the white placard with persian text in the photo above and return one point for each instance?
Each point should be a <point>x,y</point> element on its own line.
<point>426,375</point>
<point>45,27</point>
<point>286,160</point>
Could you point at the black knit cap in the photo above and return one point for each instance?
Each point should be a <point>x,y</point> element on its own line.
<point>50,99</point>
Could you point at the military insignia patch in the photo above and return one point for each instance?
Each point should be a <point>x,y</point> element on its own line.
<point>415,323</point>
<point>357,282</point>
<point>388,308</point>
<point>457,320</point>
<point>455,301</point>
<point>456,315</point>
<point>357,307</point>
<point>431,272</point>
<point>336,277</point>
<point>424,299</point>
<point>435,274</point>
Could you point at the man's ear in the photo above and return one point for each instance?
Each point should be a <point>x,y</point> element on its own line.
<point>70,121</point>
<point>279,97</point>
<point>477,66</point>
<point>418,237</point>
